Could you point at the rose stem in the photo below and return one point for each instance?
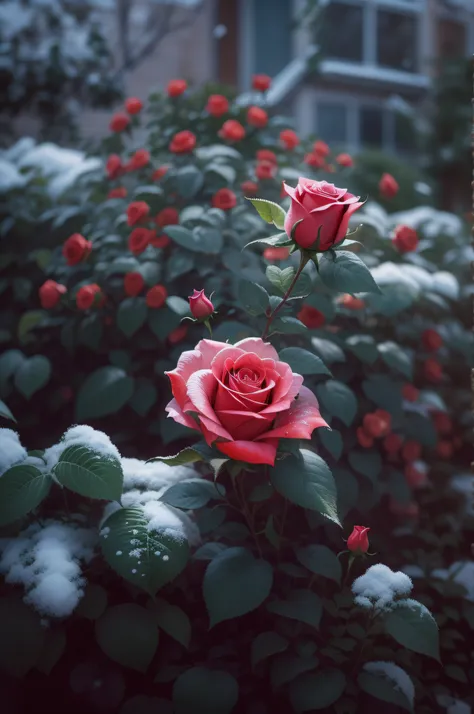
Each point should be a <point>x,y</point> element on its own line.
<point>303,260</point>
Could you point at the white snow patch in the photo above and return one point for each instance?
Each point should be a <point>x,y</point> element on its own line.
<point>155,476</point>
<point>11,450</point>
<point>464,484</point>
<point>379,586</point>
<point>82,435</point>
<point>10,178</point>
<point>461,572</point>
<point>396,675</point>
<point>445,284</point>
<point>46,561</point>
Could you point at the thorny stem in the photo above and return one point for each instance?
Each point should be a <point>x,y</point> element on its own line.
<point>245,512</point>
<point>303,260</point>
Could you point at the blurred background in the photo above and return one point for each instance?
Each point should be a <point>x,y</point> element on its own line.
<point>389,76</point>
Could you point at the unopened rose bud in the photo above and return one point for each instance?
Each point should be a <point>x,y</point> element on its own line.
<point>201,306</point>
<point>358,541</point>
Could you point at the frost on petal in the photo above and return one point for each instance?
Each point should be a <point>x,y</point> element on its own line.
<point>11,450</point>
<point>81,435</point>
<point>380,586</point>
<point>396,675</point>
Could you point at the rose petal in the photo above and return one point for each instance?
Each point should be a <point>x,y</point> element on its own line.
<point>189,362</point>
<point>214,428</point>
<point>244,425</point>
<point>254,344</point>
<point>341,233</point>
<point>249,451</point>
<point>300,420</point>
<point>201,388</point>
<point>176,413</point>
<point>287,400</point>
<point>208,350</point>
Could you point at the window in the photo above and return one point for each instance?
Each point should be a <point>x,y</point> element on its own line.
<point>452,39</point>
<point>332,122</point>
<point>272,21</point>
<point>342,32</point>
<point>371,127</point>
<point>397,40</point>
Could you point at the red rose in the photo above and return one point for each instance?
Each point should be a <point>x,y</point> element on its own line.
<point>431,340</point>
<point>50,294</point>
<point>364,439</point>
<point>178,334</point>
<point>217,105</point>
<point>89,295</point>
<point>319,204</point>
<point>385,420</point>
<point>374,426</point>
<point>167,217</point>
<point>267,155</point>
<point>225,199</point>
<point>176,87</point>
<point>133,105</point>
<point>410,393</point>
<point>388,187</point>
<point>321,148</point>
<point>261,82</point>
<point>265,170</point>
<point>392,443</point>
<point>139,240</point>
<point>358,541</point>
<point>139,159</point>
<point>433,370</point>
<point>352,303</point>
<point>411,451</point>
<point>136,211</point>
<point>183,142</point>
<point>156,296</point>
<point>414,477</point>
<point>314,160</point>
<point>159,241</point>
<point>444,449</point>
<point>159,173</point>
<point>119,122</point>
<point>200,305</point>
<point>232,130</point>
<point>76,249</point>
<point>249,188</point>
<point>289,139</point>
<point>442,423</point>
<point>275,254</point>
<point>405,239</point>
<point>311,317</point>
<point>114,166</point>
<point>119,192</point>
<point>243,396</point>
<point>133,284</point>
<point>256,116</point>
<point>344,160</point>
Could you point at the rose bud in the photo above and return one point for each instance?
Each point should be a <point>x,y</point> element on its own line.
<point>321,148</point>
<point>167,217</point>
<point>249,188</point>
<point>433,370</point>
<point>442,423</point>
<point>373,425</point>
<point>392,443</point>
<point>344,160</point>
<point>261,82</point>
<point>89,295</point>
<point>176,87</point>
<point>159,173</point>
<point>183,142</point>
<point>364,439</point>
<point>178,334</point>
<point>256,116</point>
<point>133,284</point>
<point>410,392</point>
<point>232,130</point>
<point>133,105</point>
<point>119,192</point>
<point>351,303</point>
<point>267,155</point>
<point>411,451</point>
<point>136,211</point>
<point>358,541</point>
<point>431,340</point>
<point>405,239</point>
<point>50,294</point>
<point>200,305</point>
<point>113,166</point>
<point>319,208</point>
<point>139,239</point>
<point>217,105</point>
<point>76,249</point>
<point>314,160</point>
<point>140,158</point>
<point>225,199</point>
<point>119,122</point>
<point>388,187</point>
<point>156,296</point>
<point>310,316</point>
<point>265,170</point>
<point>289,139</point>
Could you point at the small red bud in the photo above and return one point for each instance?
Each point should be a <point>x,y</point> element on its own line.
<point>200,305</point>
<point>358,541</point>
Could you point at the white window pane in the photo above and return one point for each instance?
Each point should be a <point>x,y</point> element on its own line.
<point>332,122</point>
<point>341,33</point>
<point>397,41</point>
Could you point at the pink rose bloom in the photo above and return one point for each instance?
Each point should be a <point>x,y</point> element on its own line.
<point>242,399</point>
<point>319,204</point>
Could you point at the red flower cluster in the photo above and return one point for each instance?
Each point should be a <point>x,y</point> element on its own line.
<point>183,142</point>
<point>344,160</point>
<point>76,249</point>
<point>89,295</point>
<point>159,173</point>
<point>114,167</point>
<point>249,188</point>
<point>232,130</point>
<point>50,294</point>
<point>139,160</point>
<point>374,426</point>
<point>136,212</point>
<point>265,170</point>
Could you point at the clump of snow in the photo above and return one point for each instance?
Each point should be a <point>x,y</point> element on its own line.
<point>154,476</point>
<point>46,561</point>
<point>397,676</point>
<point>10,177</point>
<point>161,516</point>
<point>15,152</point>
<point>11,450</point>
<point>430,220</point>
<point>379,587</point>
<point>391,274</point>
<point>445,284</point>
<point>81,435</point>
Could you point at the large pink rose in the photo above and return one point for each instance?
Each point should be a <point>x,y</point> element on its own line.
<point>242,399</point>
<point>319,204</point>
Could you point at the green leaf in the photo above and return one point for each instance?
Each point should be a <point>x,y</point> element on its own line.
<point>179,264</point>
<point>90,331</point>
<point>384,392</point>
<point>192,493</point>
<point>364,348</point>
<point>127,633</point>
<point>53,648</point>
<point>163,552</point>
<point>346,273</point>
<point>32,375</point>
<point>396,358</point>
<point>279,240</point>
<point>93,602</point>
<point>317,691</point>
<point>212,691</point>
<point>281,279</point>
<point>253,298</point>
<point>189,181</point>
<point>314,488</point>
<point>339,400</point>
<point>366,463</point>
<point>131,315</point>
<point>188,455</point>
<point>267,644</point>
<point>271,533</point>
<point>270,212</point>
<point>302,605</point>
<point>162,322</point>
<point>89,473</point>
<point>5,412</point>
<point>331,439</point>
<point>413,626</point>
<point>172,619</point>
<point>303,361</point>
<point>287,326</point>
<point>144,396</point>
<point>103,392</point>
<point>200,240</point>
<point>235,583</point>
<point>328,350</point>
<point>178,305</point>
<point>10,362</point>
<point>22,488</point>
<point>421,429</point>
<point>287,667</point>
<point>27,322</point>
<point>383,688</point>
<point>321,560</point>
<point>22,636</point>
